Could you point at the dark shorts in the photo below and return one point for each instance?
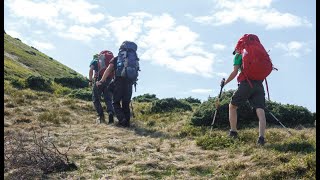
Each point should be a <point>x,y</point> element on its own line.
<point>255,95</point>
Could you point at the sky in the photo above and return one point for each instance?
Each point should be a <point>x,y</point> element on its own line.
<point>185,47</point>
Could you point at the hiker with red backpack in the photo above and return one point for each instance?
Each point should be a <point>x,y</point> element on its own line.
<point>126,67</point>
<point>98,66</point>
<point>254,65</point>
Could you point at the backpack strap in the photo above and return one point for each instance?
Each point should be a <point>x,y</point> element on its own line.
<point>249,83</point>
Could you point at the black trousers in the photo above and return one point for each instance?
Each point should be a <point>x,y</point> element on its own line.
<point>121,98</point>
<point>107,96</point>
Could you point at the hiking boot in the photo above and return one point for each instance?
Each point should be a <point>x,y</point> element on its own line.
<point>261,141</point>
<point>100,120</point>
<point>123,123</point>
<point>111,118</point>
<point>233,134</point>
<point>126,124</point>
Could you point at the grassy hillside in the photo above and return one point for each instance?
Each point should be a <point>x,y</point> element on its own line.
<point>26,67</point>
<point>21,60</point>
<point>157,146</point>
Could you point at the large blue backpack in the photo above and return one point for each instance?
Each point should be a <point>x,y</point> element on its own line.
<point>128,61</point>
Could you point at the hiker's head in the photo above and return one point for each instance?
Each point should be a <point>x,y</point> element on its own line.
<point>95,56</point>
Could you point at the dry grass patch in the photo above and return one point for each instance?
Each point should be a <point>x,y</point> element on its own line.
<point>23,120</point>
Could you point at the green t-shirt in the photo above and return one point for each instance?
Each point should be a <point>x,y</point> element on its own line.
<point>94,62</point>
<point>237,60</point>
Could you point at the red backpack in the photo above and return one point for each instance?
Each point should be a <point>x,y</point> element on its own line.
<point>256,63</point>
<point>104,61</point>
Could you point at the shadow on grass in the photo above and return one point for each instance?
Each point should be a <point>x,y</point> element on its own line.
<point>139,130</point>
<point>301,147</point>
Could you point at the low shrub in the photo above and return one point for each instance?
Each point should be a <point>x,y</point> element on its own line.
<point>192,100</point>
<point>38,83</point>
<point>72,82</point>
<point>84,94</point>
<point>145,98</point>
<point>289,115</point>
<point>61,90</point>
<point>169,105</point>
<point>18,83</point>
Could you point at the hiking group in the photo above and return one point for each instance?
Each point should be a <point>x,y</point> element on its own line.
<point>113,77</point>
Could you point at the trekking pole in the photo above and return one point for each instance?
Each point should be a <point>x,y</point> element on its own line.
<point>279,121</point>
<point>215,113</point>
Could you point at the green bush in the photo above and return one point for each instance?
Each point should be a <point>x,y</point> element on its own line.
<point>61,90</point>
<point>38,83</point>
<point>18,83</point>
<point>290,115</point>
<point>192,100</point>
<point>72,82</point>
<point>145,98</point>
<point>84,94</point>
<point>169,105</point>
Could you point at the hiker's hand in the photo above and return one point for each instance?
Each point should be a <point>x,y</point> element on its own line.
<point>98,83</point>
<point>222,82</point>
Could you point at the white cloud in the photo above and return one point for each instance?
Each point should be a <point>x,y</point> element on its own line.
<point>221,74</point>
<point>293,48</point>
<point>31,9</point>
<point>46,12</point>
<point>43,45</point>
<point>39,32</point>
<point>55,14</point>
<point>83,33</point>
<point>126,27</point>
<point>251,11</point>
<point>218,47</point>
<point>80,11</point>
<point>163,42</point>
<point>202,91</point>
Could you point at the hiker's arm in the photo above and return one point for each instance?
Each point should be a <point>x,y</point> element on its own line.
<point>90,74</point>
<point>106,74</point>
<point>233,74</point>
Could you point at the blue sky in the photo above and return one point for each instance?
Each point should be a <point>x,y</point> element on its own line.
<point>185,47</point>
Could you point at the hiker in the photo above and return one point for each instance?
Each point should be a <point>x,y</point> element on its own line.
<point>96,67</point>
<point>126,67</point>
<point>250,85</point>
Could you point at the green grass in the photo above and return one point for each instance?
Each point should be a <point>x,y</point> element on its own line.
<point>55,116</point>
<point>26,64</point>
<point>13,69</point>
